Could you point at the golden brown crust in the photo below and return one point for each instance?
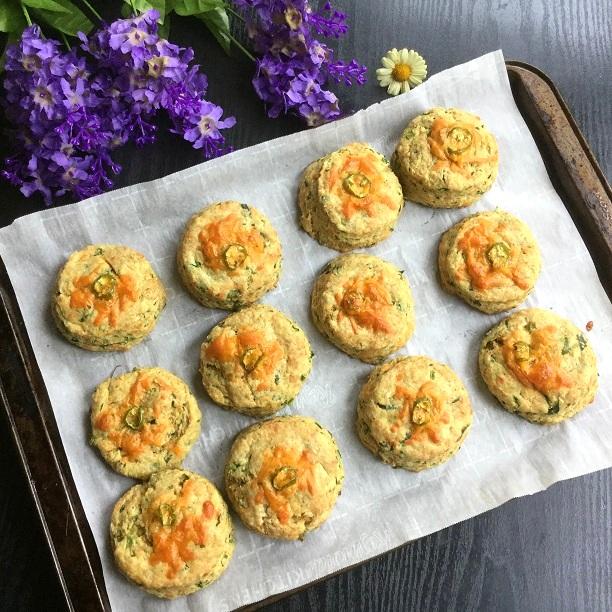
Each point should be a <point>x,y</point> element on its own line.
<point>229,255</point>
<point>283,476</point>
<point>446,158</point>
<point>107,298</point>
<point>413,413</point>
<point>539,366</point>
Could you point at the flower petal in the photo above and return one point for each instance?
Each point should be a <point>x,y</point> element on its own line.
<point>383,81</point>
<point>394,88</point>
<point>388,63</point>
<point>383,71</point>
<point>405,86</point>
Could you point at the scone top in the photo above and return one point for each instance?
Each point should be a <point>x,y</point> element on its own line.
<point>413,412</point>
<point>539,365</point>
<point>230,255</point>
<point>490,259</point>
<point>356,183</point>
<point>446,158</point>
<point>108,297</point>
<point>173,534</point>
<point>283,476</point>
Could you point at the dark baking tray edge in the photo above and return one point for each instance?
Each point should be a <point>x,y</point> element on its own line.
<point>575,175</point>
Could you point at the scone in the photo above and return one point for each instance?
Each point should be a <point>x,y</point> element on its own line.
<point>349,198</point>
<point>107,298</point>
<point>144,421</point>
<point>491,260</point>
<point>539,366</point>
<point>363,305</point>
<point>446,158</point>
<point>283,476</point>
<point>413,413</point>
<point>173,534</point>
<point>255,361</point>
<point>229,256</point>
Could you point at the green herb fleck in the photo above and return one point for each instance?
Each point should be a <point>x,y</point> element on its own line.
<point>582,342</point>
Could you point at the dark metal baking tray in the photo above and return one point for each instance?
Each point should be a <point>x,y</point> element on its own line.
<point>576,177</point>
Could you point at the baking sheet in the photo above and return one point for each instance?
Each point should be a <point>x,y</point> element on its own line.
<point>380,508</point>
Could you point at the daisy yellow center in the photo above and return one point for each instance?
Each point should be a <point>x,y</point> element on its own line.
<point>401,72</point>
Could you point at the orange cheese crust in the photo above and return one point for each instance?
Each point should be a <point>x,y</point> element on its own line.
<point>413,413</point>
<point>283,476</point>
<point>144,421</point>
<point>172,535</point>
<point>539,365</point>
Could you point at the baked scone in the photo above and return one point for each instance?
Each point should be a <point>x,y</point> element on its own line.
<point>490,259</point>
<point>283,476</point>
<point>446,158</point>
<point>144,421</point>
<point>229,256</point>
<point>107,298</point>
<point>255,361</point>
<point>539,365</point>
<point>364,306</point>
<point>413,413</point>
<point>349,198</point>
<point>173,534</point>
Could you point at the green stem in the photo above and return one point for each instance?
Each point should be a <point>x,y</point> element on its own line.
<point>93,10</point>
<point>229,9</point>
<point>243,49</point>
<point>66,41</point>
<point>26,14</point>
<point>133,9</point>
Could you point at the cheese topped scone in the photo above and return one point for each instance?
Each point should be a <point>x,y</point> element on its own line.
<point>144,421</point>
<point>364,306</point>
<point>255,361</point>
<point>173,534</point>
<point>229,256</point>
<point>413,413</point>
<point>539,365</point>
<point>490,259</point>
<point>446,158</point>
<point>108,298</point>
<point>349,198</point>
<point>283,476</point>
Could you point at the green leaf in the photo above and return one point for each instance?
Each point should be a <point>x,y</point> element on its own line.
<point>196,7</point>
<point>70,23</point>
<point>11,17</point>
<point>48,5</point>
<point>13,37</point>
<point>144,5</point>
<point>217,22</point>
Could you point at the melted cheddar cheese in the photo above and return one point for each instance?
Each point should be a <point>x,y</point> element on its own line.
<point>173,543</point>
<point>147,397</point>
<point>281,458</point>
<point>219,238</point>
<point>484,271</point>
<point>238,348</point>
<point>109,308</point>
<point>365,302</point>
<point>539,366</point>
<point>437,415</point>
<point>359,185</point>
<point>454,145</point>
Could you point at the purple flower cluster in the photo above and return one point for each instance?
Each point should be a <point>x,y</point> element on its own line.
<point>294,67</point>
<point>72,110</point>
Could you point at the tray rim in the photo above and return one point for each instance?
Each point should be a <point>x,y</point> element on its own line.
<point>29,367</point>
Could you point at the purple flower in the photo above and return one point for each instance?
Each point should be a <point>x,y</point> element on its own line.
<point>294,68</point>
<point>70,112</point>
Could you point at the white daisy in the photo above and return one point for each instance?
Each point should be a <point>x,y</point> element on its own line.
<point>401,70</point>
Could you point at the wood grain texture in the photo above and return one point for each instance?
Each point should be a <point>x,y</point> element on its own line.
<point>550,551</point>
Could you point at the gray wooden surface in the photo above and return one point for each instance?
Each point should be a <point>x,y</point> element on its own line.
<point>551,551</point>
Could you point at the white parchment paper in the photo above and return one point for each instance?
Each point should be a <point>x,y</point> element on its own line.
<point>380,508</point>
